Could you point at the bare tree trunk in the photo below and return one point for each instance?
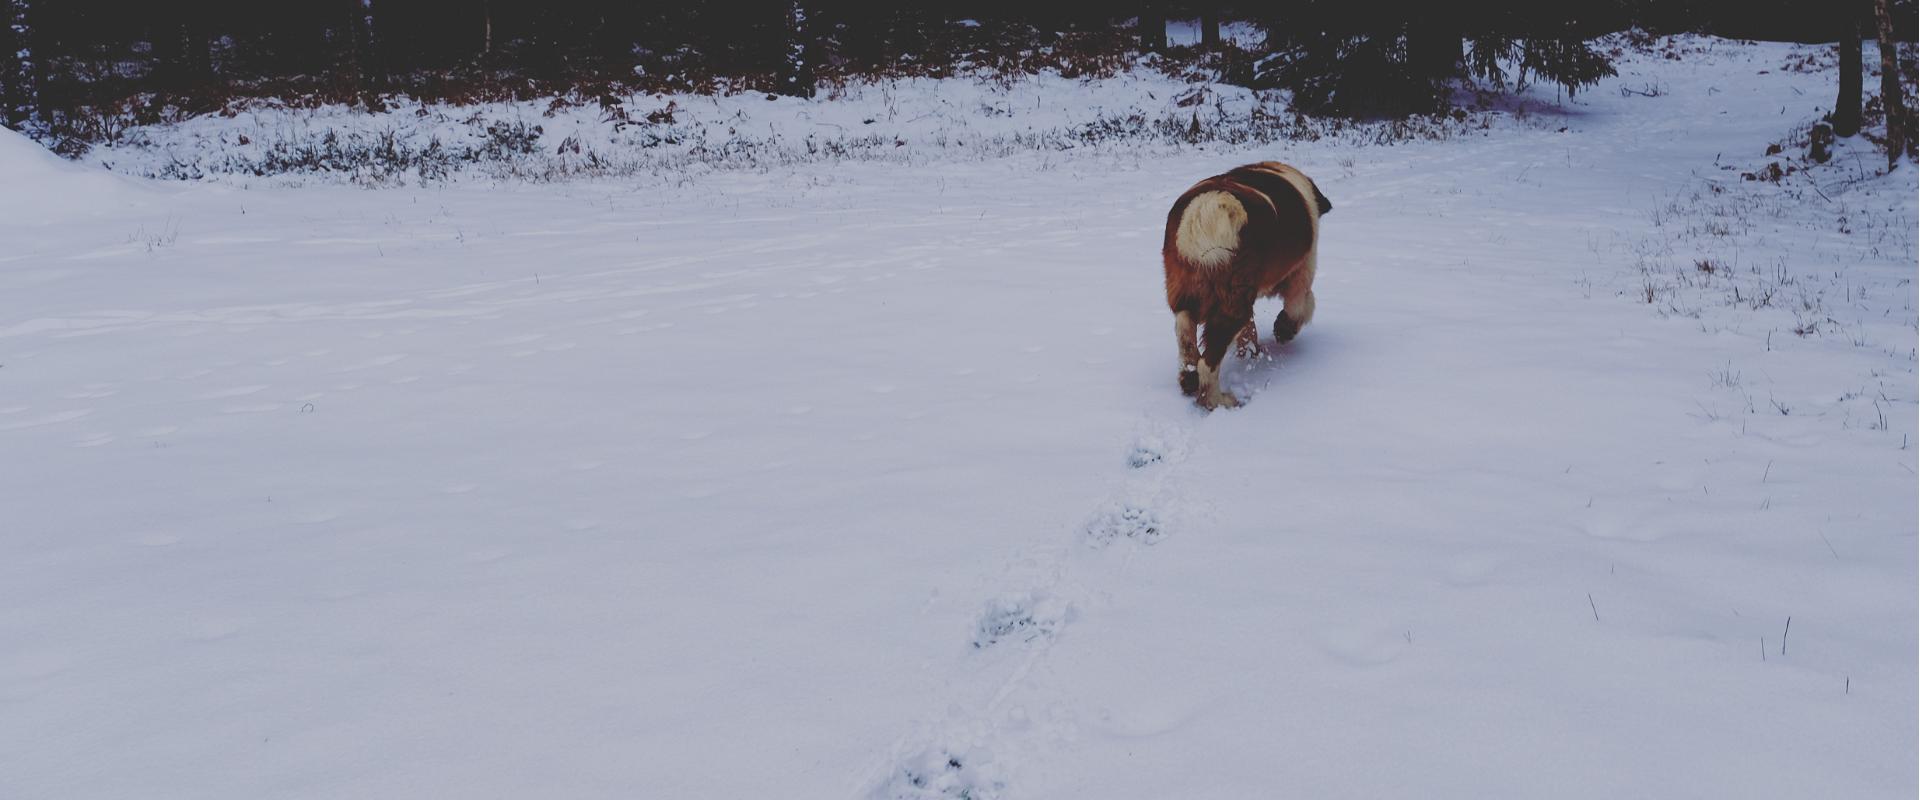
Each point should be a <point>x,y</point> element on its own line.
<point>1846,109</point>
<point>1897,133</point>
<point>1153,27</point>
<point>1210,28</point>
<point>486,17</point>
<point>19,75</point>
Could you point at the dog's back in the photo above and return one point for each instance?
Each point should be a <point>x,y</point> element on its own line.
<point>1256,221</point>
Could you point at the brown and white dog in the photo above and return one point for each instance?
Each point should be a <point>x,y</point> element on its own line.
<point>1232,239</point>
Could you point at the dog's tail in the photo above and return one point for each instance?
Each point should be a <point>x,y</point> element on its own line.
<point>1209,232</point>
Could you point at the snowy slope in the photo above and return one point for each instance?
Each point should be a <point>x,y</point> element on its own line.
<point>41,187</point>
<point>867,480</point>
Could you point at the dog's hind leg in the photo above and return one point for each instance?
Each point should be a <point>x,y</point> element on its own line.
<point>1219,333</point>
<point>1183,332</point>
<point>1298,295</point>
<point>1247,343</point>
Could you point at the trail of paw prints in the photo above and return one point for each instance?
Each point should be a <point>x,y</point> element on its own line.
<point>1012,633</point>
<point>1144,507</point>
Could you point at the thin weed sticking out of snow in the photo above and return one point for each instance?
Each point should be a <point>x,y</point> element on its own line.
<point>1823,251</point>
<point>165,236</point>
<point>1650,289</point>
<point>1653,89</point>
<point>1725,377</point>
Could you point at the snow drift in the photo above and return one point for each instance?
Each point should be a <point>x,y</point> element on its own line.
<point>38,187</point>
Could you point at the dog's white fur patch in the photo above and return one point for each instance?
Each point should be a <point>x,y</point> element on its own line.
<point>1209,234</point>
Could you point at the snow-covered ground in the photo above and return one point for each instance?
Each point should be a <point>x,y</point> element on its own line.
<point>867,479</point>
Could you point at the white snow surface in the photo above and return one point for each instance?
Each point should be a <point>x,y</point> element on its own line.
<point>873,480</point>
<point>38,187</point>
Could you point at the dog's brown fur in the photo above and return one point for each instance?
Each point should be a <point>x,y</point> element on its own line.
<point>1232,239</point>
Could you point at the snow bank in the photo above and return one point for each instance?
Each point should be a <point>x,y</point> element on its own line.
<point>906,121</point>
<point>41,187</point>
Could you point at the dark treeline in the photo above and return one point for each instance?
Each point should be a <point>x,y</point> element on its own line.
<point>1387,56</point>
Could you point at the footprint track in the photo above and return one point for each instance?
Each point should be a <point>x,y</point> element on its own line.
<point>1014,631</point>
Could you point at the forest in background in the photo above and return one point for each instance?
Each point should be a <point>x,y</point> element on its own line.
<point>71,62</point>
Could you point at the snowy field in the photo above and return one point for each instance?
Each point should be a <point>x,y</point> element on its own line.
<point>872,479</point>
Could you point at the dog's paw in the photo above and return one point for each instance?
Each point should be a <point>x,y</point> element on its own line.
<point>1284,329</point>
<point>1218,398</point>
<point>1190,380</point>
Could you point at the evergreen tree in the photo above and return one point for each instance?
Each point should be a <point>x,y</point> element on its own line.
<point>19,73</point>
<point>1342,58</point>
<point>796,66</point>
<point>362,47</point>
<point>180,48</point>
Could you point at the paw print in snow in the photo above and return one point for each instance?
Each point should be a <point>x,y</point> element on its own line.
<point>937,774</point>
<point>1125,521</point>
<point>1022,618</point>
